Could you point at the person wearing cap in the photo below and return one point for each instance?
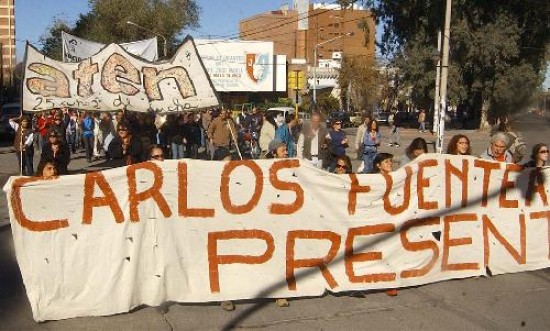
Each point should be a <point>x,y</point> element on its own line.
<point>337,143</point>
<point>23,144</point>
<point>311,143</point>
<point>56,150</point>
<point>277,150</point>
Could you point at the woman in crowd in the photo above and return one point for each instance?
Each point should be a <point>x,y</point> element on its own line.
<point>337,142</point>
<point>283,132</point>
<point>539,157</point>
<point>56,151</point>
<point>156,153</point>
<point>459,145</point>
<point>371,141</point>
<point>88,126</point>
<point>383,163</point>
<point>360,134</point>
<point>124,149</point>
<point>267,133</point>
<point>277,150</point>
<point>343,165</point>
<point>46,169</point>
<point>23,144</point>
<point>417,147</point>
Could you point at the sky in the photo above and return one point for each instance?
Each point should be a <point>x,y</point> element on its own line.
<point>219,18</point>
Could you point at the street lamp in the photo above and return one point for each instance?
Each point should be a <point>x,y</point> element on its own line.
<point>315,64</point>
<point>153,32</point>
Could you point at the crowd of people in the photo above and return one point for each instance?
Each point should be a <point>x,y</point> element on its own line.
<point>125,138</point>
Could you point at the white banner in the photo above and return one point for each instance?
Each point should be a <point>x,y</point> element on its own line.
<point>198,231</point>
<point>76,49</point>
<point>302,8</point>
<point>113,79</point>
<point>245,66</point>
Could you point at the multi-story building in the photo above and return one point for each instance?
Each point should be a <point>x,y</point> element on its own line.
<point>328,30</point>
<point>324,22</point>
<point>7,42</point>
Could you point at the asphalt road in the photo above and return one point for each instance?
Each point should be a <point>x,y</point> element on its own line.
<point>507,302</point>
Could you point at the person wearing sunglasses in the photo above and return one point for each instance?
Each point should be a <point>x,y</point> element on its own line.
<point>343,165</point>
<point>539,157</point>
<point>156,153</point>
<point>125,149</point>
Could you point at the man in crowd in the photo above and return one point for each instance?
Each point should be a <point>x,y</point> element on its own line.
<point>222,132</point>
<point>311,142</point>
<point>497,150</point>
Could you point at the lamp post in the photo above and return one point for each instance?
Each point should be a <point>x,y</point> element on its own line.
<point>315,64</point>
<point>165,48</point>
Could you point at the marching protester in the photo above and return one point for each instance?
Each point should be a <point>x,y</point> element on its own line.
<point>23,144</point>
<point>193,136</point>
<point>125,149</point>
<point>343,165</point>
<point>59,126</point>
<point>277,150</point>
<point>417,147</point>
<point>267,133</point>
<point>371,141</point>
<point>222,133</point>
<point>311,142</point>
<point>71,131</point>
<point>56,151</point>
<point>539,157</point>
<point>459,145</point>
<point>337,142</point>
<point>98,136</point>
<point>88,126</point>
<point>361,129</point>
<point>46,169</point>
<point>43,122</point>
<point>383,163</point>
<point>283,132</point>
<point>156,153</point>
<point>497,150</point>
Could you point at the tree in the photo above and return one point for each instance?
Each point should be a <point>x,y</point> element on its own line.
<point>106,21</point>
<point>51,40</point>
<point>361,73</point>
<point>497,53</point>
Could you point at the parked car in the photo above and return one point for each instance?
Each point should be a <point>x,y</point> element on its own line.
<point>356,118</point>
<point>339,115</point>
<point>382,116</point>
<point>8,110</point>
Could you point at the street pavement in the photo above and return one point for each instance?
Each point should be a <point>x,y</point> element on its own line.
<point>506,302</point>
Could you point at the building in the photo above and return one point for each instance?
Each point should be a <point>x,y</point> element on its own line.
<point>324,22</point>
<point>329,30</point>
<point>7,42</point>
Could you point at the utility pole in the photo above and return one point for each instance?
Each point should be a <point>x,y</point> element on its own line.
<point>444,75</point>
<point>437,83</point>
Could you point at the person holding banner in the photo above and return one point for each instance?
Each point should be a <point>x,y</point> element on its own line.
<point>459,145</point>
<point>311,145</point>
<point>539,157</point>
<point>46,169</point>
<point>23,144</point>
<point>417,147</point>
<point>56,151</point>
<point>497,150</point>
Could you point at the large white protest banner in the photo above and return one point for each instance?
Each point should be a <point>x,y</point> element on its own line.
<point>114,79</point>
<point>102,243</point>
<point>76,49</point>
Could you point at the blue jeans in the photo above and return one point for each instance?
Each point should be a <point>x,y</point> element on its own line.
<point>368,159</point>
<point>178,151</point>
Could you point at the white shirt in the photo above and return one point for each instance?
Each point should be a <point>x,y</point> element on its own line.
<point>314,145</point>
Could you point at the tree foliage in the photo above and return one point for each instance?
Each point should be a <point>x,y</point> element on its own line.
<point>497,49</point>
<point>106,22</point>
<point>361,73</point>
